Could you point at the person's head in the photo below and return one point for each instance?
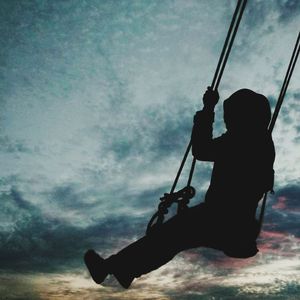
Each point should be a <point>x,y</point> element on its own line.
<point>246,111</point>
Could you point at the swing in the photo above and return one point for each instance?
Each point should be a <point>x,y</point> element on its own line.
<point>183,196</point>
<point>143,255</point>
<point>189,192</point>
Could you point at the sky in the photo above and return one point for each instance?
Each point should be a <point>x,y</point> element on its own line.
<point>97,102</point>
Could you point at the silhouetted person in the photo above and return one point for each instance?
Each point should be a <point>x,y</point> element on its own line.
<point>243,171</point>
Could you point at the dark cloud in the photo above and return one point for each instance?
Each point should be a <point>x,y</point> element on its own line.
<point>70,197</point>
<point>34,241</point>
<point>149,198</point>
<point>288,10</point>
<point>17,146</point>
<point>255,14</point>
<point>285,116</point>
<point>293,98</point>
<point>174,124</point>
<point>282,212</point>
<point>257,11</point>
<point>19,201</point>
<point>156,133</point>
<point>37,242</point>
<point>292,195</point>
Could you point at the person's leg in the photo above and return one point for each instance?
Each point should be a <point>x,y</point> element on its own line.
<point>142,256</point>
<point>181,232</point>
<point>186,230</point>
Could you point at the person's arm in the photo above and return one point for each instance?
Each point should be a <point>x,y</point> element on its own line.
<point>203,145</point>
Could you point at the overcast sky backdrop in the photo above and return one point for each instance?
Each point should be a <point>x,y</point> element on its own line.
<point>97,100</point>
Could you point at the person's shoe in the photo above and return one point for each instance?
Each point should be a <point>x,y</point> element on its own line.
<point>124,280</point>
<point>96,265</point>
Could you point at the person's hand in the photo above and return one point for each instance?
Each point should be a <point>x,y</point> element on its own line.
<point>210,98</point>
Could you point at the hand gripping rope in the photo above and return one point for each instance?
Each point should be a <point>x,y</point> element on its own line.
<point>183,196</point>
<point>283,90</point>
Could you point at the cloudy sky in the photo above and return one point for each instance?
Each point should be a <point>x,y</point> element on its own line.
<point>97,99</point>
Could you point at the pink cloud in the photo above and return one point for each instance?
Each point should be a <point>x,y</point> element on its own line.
<point>287,204</point>
<point>278,243</point>
<point>281,203</point>
<point>218,260</point>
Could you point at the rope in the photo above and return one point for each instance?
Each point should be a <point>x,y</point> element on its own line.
<point>285,83</point>
<point>181,166</point>
<point>235,22</point>
<point>159,215</point>
<point>283,90</point>
<point>221,58</point>
<point>217,77</point>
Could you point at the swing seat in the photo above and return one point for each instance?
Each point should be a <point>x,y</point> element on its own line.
<point>241,249</point>
<point>242,245</point>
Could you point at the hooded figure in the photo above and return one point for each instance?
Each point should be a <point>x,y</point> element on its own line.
<point>247,112</point>
<point>243,171</point>
<point>243,159</point>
